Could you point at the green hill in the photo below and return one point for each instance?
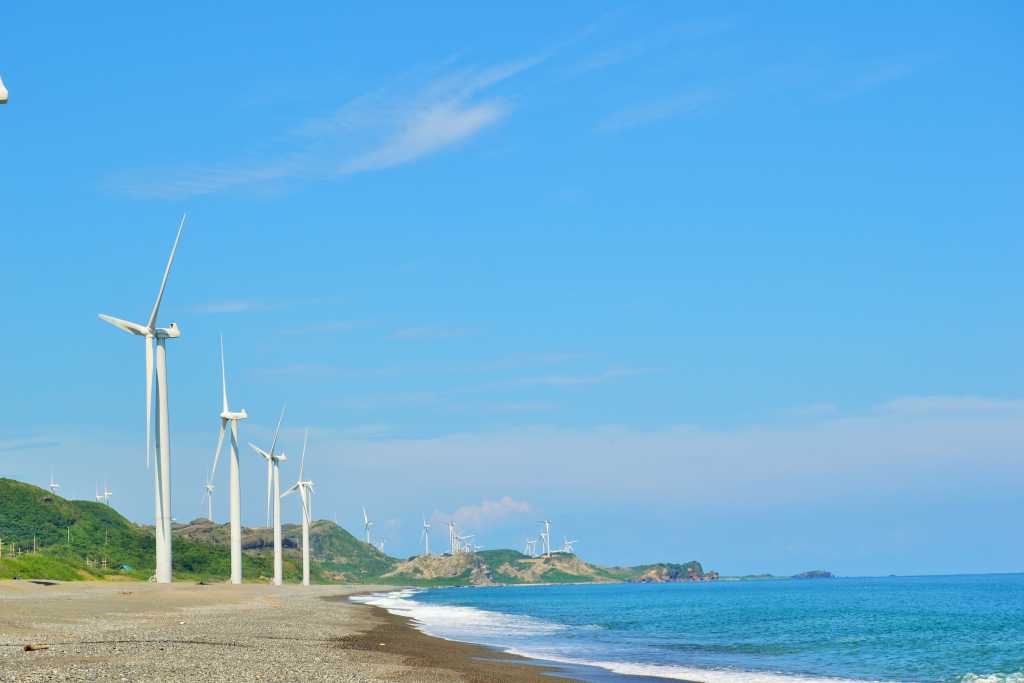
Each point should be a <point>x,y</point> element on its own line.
<point>337,555</point>
<point>75,537</point>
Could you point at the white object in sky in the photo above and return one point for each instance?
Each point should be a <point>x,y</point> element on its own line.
<point>531,547</point>
<point>53,486</point>
<point>208,495</point>
<point>105,496</point>
<point>380,545</point>
<point>162,470</point>
<point>3,92</point>
<point>226,416</point>
<point>425,536</point>
<point>367,524</point>
<point>453,538</point>
<point>545,538</point>
<point>99,498</point>
<point>305,489</point>
<point>274,479</point>
<point>567,546</point>
<point>462,545</point>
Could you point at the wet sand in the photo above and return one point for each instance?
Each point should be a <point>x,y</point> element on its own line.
<point>131,631</point>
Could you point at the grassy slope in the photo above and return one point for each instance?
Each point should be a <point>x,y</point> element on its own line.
<point>96,531</point>
<point>201,551</point>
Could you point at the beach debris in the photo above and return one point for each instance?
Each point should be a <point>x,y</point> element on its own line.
<point>32,647</point>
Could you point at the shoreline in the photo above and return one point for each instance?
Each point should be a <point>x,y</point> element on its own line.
<point>147,632</point>
<point>495,664</point>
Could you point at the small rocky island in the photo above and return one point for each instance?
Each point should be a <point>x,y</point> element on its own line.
<point>815,574</point>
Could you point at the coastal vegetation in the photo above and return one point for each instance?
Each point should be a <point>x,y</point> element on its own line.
<point>45,536</point>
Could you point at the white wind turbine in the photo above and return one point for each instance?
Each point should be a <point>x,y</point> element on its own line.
<point>380,545</point>
<point>425,536</point>
<point>305,489</point>
<point>99,498</point>
<point>453,538</point>
<point>462,543</point>
<point>105,496</point>
<point>53,485</point>
<point>274,480</point>
<point>531,547</point>
<point>367,525</point>
<point>208,495</point>
<point>545,538</point>
<point>226,416</point>
<point>567,546</point>
<point>162,471</point>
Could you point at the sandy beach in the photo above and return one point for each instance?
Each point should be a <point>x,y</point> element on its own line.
<point>129,631</point>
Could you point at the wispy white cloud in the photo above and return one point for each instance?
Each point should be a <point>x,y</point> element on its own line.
<point>952,405</point>
<point>474,517</point>
<point>430,332</point>
<point>583,379</point>
<point>390,127</point>
<point>646,113</point>
<point>229,306</point>
<point>335,326</point>
<point>28,443</point>
<point>874,77</point>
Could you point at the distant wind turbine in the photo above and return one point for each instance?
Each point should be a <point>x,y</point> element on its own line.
<point>53,485</point>
<point>226,416</point>
<point>305,489</point>
<point>380,545</point>
<point>453,538</point>
<point>274,486</point>
<point>162,472</point>
<point>106,494</point>
<point>367,525</point>
<point>531,547</point>
<point>545,538</point>
<point>425,536</point>
<point>567,546</point>
<point>208,495</point>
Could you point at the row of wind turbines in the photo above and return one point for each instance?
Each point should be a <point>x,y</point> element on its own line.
<point>155,338</point>
<point>158,447</point>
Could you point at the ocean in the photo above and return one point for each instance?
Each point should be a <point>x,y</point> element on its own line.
<point>929,628</point>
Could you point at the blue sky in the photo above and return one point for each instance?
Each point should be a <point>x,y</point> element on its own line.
<point>735,282</point>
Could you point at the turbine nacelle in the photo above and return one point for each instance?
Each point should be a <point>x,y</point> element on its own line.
<point>240,415</point>
<point>169,332</point>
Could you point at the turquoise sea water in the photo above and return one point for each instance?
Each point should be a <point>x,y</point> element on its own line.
<point>948,628</point>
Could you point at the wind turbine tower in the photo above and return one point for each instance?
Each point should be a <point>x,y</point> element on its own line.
<point>425,536</point>
<point>367,525</point>
<point>53,485</point>
<point>453,539</point>
<point>305,489</point>
<point>208,494</point>
<point>567,546</point>
<point>274,460</point>
<point>226,416</point>
<point>162,470</point>
<point>545,538</point>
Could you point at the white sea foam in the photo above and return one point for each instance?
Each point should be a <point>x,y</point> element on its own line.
<point>469,624</point>
<point>1015,677</point>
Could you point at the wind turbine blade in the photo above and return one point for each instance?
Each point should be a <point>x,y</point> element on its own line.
<point>259,450</point>
<point>149,397</point>
<point>223,374</point>
<point>366,520</point>
<point>220,444</point>
<point>291,489</point>
<point>302,461</point>
<point>277,431</point>
<point>163,283</point>
<point>127,326</point>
